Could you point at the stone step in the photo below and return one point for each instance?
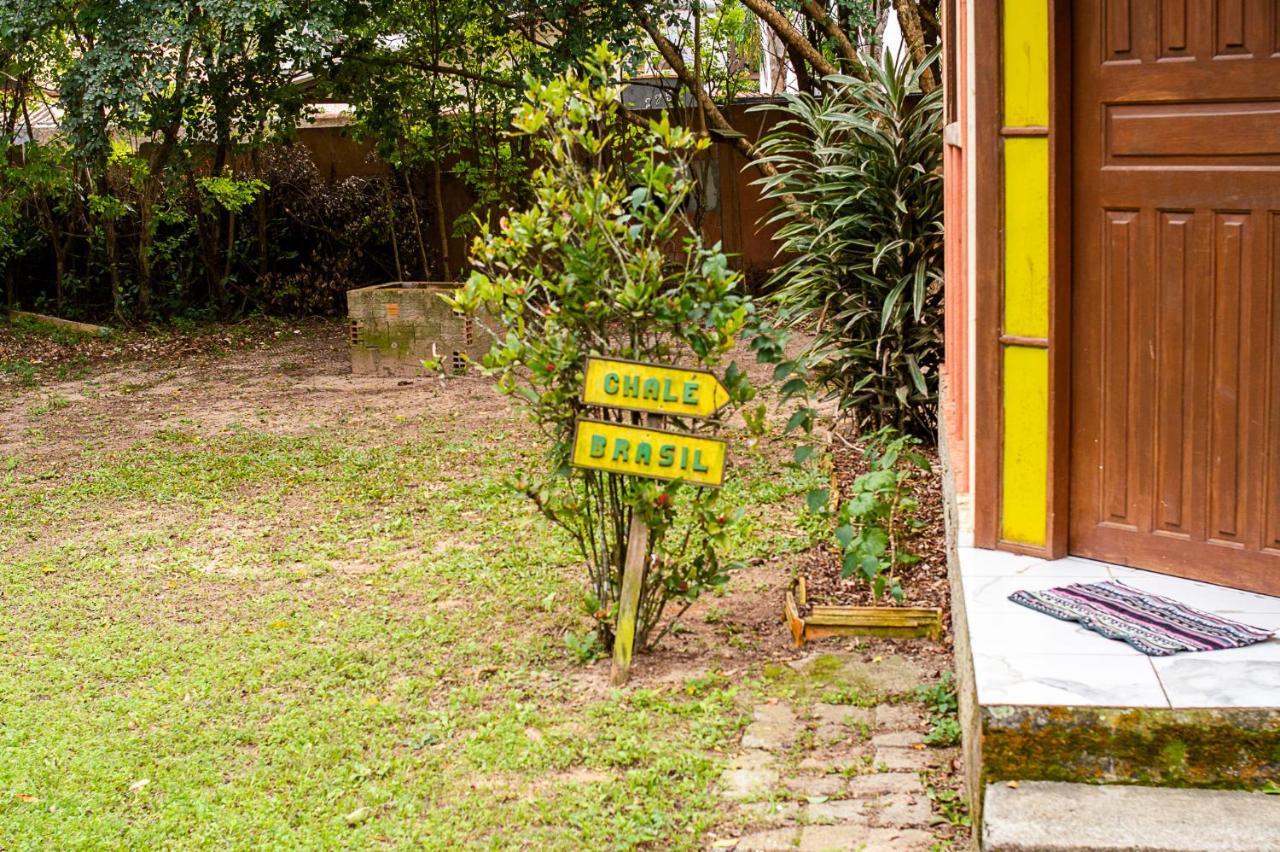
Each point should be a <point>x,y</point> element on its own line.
<point>1050,816</point>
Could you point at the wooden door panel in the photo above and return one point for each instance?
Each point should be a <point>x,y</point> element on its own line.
<point>1145,30</point>
<point>1196,133</point>
<point>1174,32</point>
<point>1231,275</point>
<point>1176,298</point>
<point>1175,247</point>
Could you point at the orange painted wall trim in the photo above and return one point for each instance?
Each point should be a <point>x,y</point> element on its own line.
<point>955,400</point>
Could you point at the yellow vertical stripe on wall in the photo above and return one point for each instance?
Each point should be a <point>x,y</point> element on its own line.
<point>1026,63</point>
<point>1025,463</point>
<point>1026,236</point>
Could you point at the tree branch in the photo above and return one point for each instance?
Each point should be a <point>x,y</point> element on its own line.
<point>671,54</point>
<point>787,31</point>
<point>829,25</point>
<point>442,70</point>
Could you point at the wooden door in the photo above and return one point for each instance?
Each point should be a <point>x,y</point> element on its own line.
<point>1175,442</point>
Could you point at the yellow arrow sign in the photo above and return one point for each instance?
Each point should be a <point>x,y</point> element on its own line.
<point>615,383</point>
<point>617,448</point>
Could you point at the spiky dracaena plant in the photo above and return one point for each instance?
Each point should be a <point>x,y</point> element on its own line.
<point>605,262</point>
<point>859,192</point>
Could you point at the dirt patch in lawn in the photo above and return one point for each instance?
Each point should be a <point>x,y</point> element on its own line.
<point>294,379</point>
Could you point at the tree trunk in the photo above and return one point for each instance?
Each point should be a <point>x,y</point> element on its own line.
<point>739,140</point>
<point>59,269</point>
<point>391,223</point>
<point>113,268</point>
<point>44,209</point>
<point>804,81</point>
<point>913,34</point>
<point>223,220</point>
<point>208,245</point>
<point>442,226</point>
<point>112,250</point>
<point>437,192</point>
<point>417,227</point>
<point>263,216</point>
<point>146,240</point>
<point>231,246</point>
<point>877,40</point>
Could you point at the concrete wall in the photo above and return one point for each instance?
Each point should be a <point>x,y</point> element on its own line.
<point>394,328</point>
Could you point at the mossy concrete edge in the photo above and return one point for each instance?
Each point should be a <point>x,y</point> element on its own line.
<point>1224,748</point>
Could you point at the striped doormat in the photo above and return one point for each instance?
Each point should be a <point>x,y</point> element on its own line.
<point>1155,625</point>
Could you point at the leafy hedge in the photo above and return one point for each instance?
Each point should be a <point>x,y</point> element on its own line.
<point>859,187</point>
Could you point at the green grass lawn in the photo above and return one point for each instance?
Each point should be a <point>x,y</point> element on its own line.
<point>338,634</point>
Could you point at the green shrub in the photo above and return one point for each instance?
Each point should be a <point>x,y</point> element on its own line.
<point>944,708</point>
<point>859,192</point>
<point>605,262</point>
<point>874,526</point>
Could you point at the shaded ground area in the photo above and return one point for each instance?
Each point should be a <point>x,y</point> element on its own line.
<point>251,599</point>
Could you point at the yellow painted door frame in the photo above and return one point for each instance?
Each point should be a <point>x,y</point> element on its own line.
<point>1021,306</point>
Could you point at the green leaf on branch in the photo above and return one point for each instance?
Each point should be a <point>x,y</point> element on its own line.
<point>802,418</point>
<point>804,452</point>
<point>817,499</point>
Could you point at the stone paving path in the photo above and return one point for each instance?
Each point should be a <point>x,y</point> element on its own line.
<point>831,776</point>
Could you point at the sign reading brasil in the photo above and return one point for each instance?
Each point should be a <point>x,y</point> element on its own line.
<point>635,450</point>
<point>653,453</point>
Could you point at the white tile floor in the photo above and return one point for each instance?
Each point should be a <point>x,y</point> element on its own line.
<point>1025,657</point>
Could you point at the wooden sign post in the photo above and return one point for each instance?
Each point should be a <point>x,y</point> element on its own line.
<point>624,639</point>
<point>649,452</point>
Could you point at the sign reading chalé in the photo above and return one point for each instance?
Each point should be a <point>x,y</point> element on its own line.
<point>634,386</point>
<point>652,453</point>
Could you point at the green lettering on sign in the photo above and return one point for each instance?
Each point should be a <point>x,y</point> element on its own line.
<point>655,389</point>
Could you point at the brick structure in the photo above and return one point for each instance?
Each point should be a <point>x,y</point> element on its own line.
<point>395,327</point>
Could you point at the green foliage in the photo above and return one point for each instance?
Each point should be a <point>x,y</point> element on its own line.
<point>603,262</point>
<point>107,208</point>
<point>951,805</point>
<point>40,172</point>
<point>154,101</point>
<point>21,369</point>
<point>874,526</point>
<point>184,73</point>
<point>943,731</point>
<point>731,47</point>
<point>943,704</point>
<point>586,648</point>
<point>437,96</point>
<point>230,193</point>
<point>859,187</point>
<point>850,695</point>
